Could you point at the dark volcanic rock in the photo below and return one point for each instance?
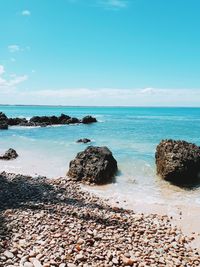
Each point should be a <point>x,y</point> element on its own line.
<point>3,126</point>
<point>93,165</point>
<point>63,118</point>
<point>3,117</point>
<point>41,120</point>
<point>84,140</point>
<point>88,119</point>
<point>17,121</point>
<point>178,161</point>
<point>9,154</point>
<point>53,120</point>
<point>3,121</point>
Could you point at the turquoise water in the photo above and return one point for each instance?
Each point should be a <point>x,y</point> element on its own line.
<point>131,133</point>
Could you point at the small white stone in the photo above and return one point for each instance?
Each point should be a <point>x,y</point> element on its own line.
<point>28,264</point>
<point>71,265</point>
<point>8,254</point>
<point>36,262</point>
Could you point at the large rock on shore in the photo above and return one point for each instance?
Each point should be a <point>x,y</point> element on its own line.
<point>9,154</point>
<point>178,161</point>
<point>95,165</point>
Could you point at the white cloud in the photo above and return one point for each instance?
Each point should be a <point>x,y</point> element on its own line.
<point>116,4</point>
<point>26,13</point>
<point>110,97</point>
<point>13,48</point>
<point>7,84</point>
<point>150,91</point>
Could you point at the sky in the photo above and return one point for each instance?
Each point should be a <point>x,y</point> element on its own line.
<point>100,52</point>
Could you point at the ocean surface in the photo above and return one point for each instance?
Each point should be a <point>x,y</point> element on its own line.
<point>132,134</point>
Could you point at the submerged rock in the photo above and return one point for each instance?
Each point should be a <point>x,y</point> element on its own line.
<point>9,154</point>
<point>88,119</point>
<point>93,165</point>
<point>178,161</point>
<point>83,140</point>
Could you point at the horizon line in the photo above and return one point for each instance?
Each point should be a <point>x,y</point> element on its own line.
<point>91,106</point>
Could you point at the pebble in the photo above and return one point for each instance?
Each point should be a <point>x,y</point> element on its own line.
<point>80,257</point>
<point>36,262</point>
<point>127,261</point>
<point>8,254</point>
<point>115,260</point>
<point>28,264</point>
<point>60,225</point>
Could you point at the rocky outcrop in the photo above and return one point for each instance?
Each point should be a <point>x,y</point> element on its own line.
<point>53,120</point>
<point>42,121</point>
<point>38,120</point>
<point>3,126</point>
<point>88,119</point>
<point>9,154</point>
<point>83,140</point>
<point>3,121</point>
<point>62,119</point>
<point>95,165</point>
<point>178,161</point>
<point>17,121</point>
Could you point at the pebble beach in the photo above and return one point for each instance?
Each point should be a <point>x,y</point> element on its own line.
<point>99,133</point>
<point>54,223</point>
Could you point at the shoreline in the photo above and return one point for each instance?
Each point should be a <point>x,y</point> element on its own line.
<point>184,217</point>
<point>56,223</point>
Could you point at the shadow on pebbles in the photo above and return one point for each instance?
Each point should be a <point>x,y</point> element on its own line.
<point>53,223</point>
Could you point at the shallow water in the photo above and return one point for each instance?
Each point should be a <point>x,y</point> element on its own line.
<point>131,133</point>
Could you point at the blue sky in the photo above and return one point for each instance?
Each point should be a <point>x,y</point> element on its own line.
<point>100,52</point>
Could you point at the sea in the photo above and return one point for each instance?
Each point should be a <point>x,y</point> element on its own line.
<point>131,133</point>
